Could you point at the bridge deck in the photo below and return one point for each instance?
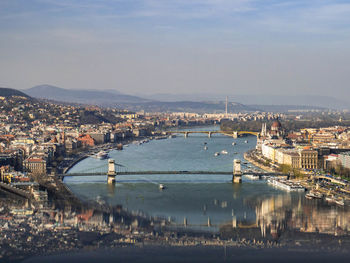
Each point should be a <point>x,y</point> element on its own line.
<point>167,172</point>
<point>214,132</point>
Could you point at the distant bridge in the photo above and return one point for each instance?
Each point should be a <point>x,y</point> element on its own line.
<point>233,134</point>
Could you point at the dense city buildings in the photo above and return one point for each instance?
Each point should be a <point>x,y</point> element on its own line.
<point>40,140</point>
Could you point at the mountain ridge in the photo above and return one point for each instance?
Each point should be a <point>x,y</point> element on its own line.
<point>46,91</point>
<point>8,92</point>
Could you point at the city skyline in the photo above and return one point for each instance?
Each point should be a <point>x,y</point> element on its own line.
<point>240,47</point>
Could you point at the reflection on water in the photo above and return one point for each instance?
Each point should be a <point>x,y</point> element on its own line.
<point>269,216</point>
<point>288,212</point>
<point>206,202</point>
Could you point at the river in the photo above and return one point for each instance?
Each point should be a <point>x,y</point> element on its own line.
<point>199,199</point>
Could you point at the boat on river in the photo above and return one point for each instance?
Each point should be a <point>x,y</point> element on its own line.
<point>313,194</point>
<point>101,155</point>
<point>216,154</point>
<point>330,199</point>
<point>161,186</point>
<point>285,184</point>
<point>252,176</point>
<point>340,202</point>
<point>224,152</point>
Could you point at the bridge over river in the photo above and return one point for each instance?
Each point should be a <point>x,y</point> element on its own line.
<point>112,173</point>
<point>233,134</point>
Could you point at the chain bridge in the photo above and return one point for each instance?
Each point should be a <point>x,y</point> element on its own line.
<point>115,170</point>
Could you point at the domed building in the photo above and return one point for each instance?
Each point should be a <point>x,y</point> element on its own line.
<point>276,125</point>
<point>275,135</point>
<point>276,129</point>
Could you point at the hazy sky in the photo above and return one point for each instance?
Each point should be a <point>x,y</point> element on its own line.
<point>185,46</point>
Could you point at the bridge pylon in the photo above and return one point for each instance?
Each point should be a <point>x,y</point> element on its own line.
<point>237,173</point>
<point>235,135</point>
<point>111,174</point>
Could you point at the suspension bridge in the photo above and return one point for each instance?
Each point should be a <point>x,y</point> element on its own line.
<point>116,170</point>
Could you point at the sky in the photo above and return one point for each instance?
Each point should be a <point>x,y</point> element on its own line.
<point>178,46</point>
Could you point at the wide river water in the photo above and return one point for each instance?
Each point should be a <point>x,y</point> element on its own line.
<point>198,199</point>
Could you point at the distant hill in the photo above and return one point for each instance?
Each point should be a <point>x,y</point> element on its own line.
<point>253,100</point>
<point>6,92</point>
<point>94,97</point>
<point>188,106</point>
<point>203,103</point>
<point>112,98</point>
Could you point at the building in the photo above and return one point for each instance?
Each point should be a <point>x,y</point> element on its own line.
<point>35,165</point>
<point>274,136</point>
<point>100,137</point>
<point>345,159</point>
<point>308,159</point>
<point>86,140</point>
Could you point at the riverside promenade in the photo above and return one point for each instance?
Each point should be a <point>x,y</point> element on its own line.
<point>250,157</point>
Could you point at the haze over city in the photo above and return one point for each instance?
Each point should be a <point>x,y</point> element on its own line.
<point>174,131</point>
<point>147,46</point>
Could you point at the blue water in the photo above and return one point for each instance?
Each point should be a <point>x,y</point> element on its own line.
<point>194,197</point>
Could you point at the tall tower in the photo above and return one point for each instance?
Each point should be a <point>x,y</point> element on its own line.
<point>226,107</point>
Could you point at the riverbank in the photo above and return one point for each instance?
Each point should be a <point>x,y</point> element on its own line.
<point>252,158</point>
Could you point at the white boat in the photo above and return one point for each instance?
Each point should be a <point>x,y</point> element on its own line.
<point>101,155</point>
<point>216,154</point>
<point>205,148</point>
<point>224,152</point>
<point>330,199</point>
<point>286,185</point>
<point>246,141</point>
<point>252,176</point>
<point>339,202</point>
<point>308,196</point>
<point>233,144</point>
<point>161,186</point>
<point>312,194</point>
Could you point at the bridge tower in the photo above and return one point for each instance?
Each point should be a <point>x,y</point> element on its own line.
<point>111,171</point>
<point>237,174</point>
<point>235,135</point>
